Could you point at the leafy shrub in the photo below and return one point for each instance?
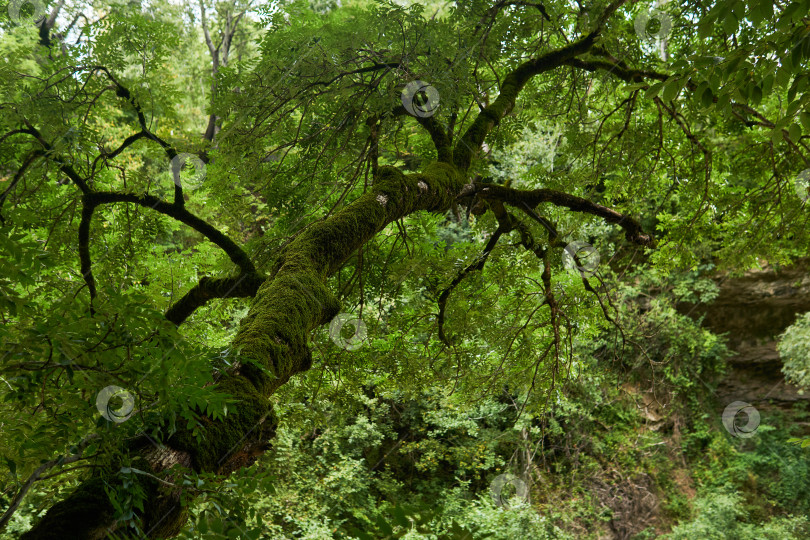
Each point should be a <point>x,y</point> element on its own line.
<point>722,514</point>
<point>794,348</point>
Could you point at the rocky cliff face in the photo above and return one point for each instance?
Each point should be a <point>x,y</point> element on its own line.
<point>752,310</point>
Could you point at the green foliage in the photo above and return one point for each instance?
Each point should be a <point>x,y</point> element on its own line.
<point>403,437</point>
<point>722,515</point>
<point>794,349</point>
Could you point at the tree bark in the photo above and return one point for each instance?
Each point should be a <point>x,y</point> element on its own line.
<point>271,347</point>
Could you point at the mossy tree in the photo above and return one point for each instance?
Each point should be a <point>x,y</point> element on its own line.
<point>308,142</point>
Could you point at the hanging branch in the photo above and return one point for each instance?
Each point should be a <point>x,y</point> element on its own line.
<point>478,265</point>
<point>37,474</point>
<point>17,176</point>
<point>531,198</point>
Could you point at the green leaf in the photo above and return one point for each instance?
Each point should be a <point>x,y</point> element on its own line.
<point>755,15</point>
<point>730,24</point>
<point>792,109</point>
<point>796,58</point>
<point>360,534</point>
<point>738,9</point>
<point>383,525</point>
<point>705,28</point>
<point>756,95</point>
<point>767,84</point>
<point>671,90</point>
<point>724,103</point>
<point>254,534</point>
<point>792,9</point>
<point>766,9</point>
<point>399,516</point>
<point>653,90</point>
<point>795,132</point>
<point>733,63</point>
<point>707,98</point>
<point>804,117</point>
<point>698,93</point>
<point>634,86</point>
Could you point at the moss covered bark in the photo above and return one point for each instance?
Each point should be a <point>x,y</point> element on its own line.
<point>272,347</point>
<point>296,300</point>
<point>85,514</point>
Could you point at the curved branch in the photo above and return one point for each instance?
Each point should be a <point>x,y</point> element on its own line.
<point>532,198</point>
<point>67,169</point>
<point>124,93</point>
<point>477,265</point>
<point>439,136</point>
<point>61,460</point>
<point>17,176</point>
<point>241,286</point>
<point>514,82</point>
<point>200,293</point>
<point>620,69</point>
<point>707,155</point>
<point>86,264</point>
<point>506,224</point>
<point>124,145</point>
<point>236,253</point>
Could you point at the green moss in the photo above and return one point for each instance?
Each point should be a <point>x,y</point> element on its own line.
<point>297,300</point>
<point>77,516</point>
<point>285,310</point>
<point>250,423</point>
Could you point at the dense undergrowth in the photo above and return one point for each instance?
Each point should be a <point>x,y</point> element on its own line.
<point>630,445</point>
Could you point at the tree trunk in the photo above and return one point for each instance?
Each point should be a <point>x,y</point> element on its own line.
<point>293,301</point>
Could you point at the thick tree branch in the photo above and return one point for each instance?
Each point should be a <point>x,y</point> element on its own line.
<point>271,346</point>
<point>532,198</point>
<point>617,68</point>
<point>86,264</point>
<point>439,136</point>
<point>272,343</point>
<point>514,82</point>
<point>241,286</point>
<point>296,296</point>
<point>47,24</point>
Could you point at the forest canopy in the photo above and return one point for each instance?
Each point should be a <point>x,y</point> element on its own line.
<point>304,268</point>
